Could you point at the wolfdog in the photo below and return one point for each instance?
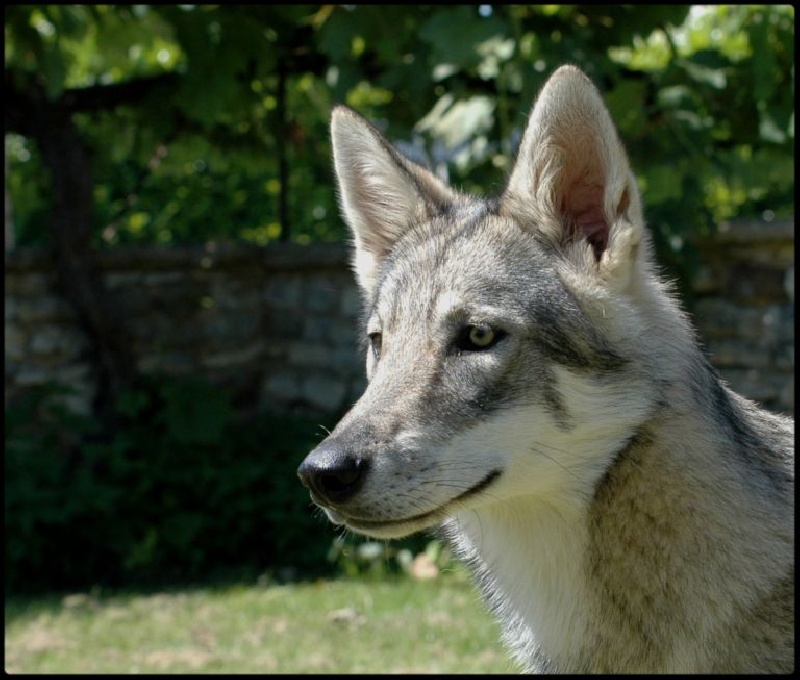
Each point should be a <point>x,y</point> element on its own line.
<point>535,391</point>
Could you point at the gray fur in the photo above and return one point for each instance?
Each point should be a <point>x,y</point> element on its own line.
<point>535,391</point>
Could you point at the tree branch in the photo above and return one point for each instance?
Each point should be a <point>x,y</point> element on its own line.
<point>65,155</point>
<point>22,103</point>
<point>108,97</point>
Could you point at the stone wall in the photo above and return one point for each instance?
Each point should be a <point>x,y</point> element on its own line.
<point>743,308</point>
<point>278,324</point>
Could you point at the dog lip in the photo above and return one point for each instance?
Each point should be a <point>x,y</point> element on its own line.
<point>362,523</point>
<point>334,516</point>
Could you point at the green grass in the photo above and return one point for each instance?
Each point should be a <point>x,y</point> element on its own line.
<point>400,626</point>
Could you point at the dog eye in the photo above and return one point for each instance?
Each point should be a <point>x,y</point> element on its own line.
<point>375,344</point>
<point>477,337</point>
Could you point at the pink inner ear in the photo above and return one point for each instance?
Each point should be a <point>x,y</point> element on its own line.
<point>592,225</point>
<point>583,208</point>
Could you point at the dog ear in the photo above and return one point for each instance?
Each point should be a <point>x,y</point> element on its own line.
<point>572,180</point>
<point>381,193</point>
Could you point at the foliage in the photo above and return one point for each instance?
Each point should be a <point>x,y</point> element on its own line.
<point>359,557</point>
<point>177,490</point>
<point>703,95</point>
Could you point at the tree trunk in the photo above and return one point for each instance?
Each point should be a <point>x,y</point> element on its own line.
<point>66,156</point>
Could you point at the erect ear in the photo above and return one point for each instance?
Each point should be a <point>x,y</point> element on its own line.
<point>381,193</point>
<point>572,180</point>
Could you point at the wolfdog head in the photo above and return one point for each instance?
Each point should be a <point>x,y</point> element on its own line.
<point>507,339</point>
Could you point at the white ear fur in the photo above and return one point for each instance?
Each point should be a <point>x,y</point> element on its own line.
<point>572,180</point>
<point>380,192</point>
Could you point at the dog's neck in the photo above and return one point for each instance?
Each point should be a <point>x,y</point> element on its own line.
<point>563,578</point>
<point>535,560</point>
<point>528,557</point>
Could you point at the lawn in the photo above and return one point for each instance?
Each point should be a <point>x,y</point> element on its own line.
<point>341,626</point>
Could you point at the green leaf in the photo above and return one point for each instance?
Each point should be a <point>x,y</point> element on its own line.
<point>131,403</point>
<point>455,35</point>
<point>662,183</point>
<point>194,412</point>
<point>626,105</point>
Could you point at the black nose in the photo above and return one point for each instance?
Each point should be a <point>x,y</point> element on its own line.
<point>332,474</point>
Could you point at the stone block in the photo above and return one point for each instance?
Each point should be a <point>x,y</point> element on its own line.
<point>280,385</point>
<point>31,284</point>
<point>785,402</point>
<point>756,384</point>
<point>324,393</point>
<point>350,302</point>
<point>123,279</point>
<point>755,283</point>
<point>347,361</point>
<point>168,362</point>
<point>329,330</point>
<point>44,308</point>
<point>283,292</point>
<point>306,354</point>
<point>321,295</point>
<point>131,302</point>
<point>759,325</point>
<point>784,358</point>
<point>14,344</point>
<point>10,309</point>
<point>58,342</point>
<point>162,278</point>
<point>230,328</point>
<point>32,375</point>
<point>236,358</point>
<point>356,389</point>
<point>318,328</point>
<point>80,381</point>
<point>725,352</point>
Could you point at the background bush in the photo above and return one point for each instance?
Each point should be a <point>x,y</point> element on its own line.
<point>237,145</point>
<point>210,122</point>
<point>178,489</point>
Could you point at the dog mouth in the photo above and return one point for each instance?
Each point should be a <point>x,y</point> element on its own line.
<point>397,528</point>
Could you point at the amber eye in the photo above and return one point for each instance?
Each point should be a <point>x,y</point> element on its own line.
<point>477,337</point>
<point>480,336</point>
